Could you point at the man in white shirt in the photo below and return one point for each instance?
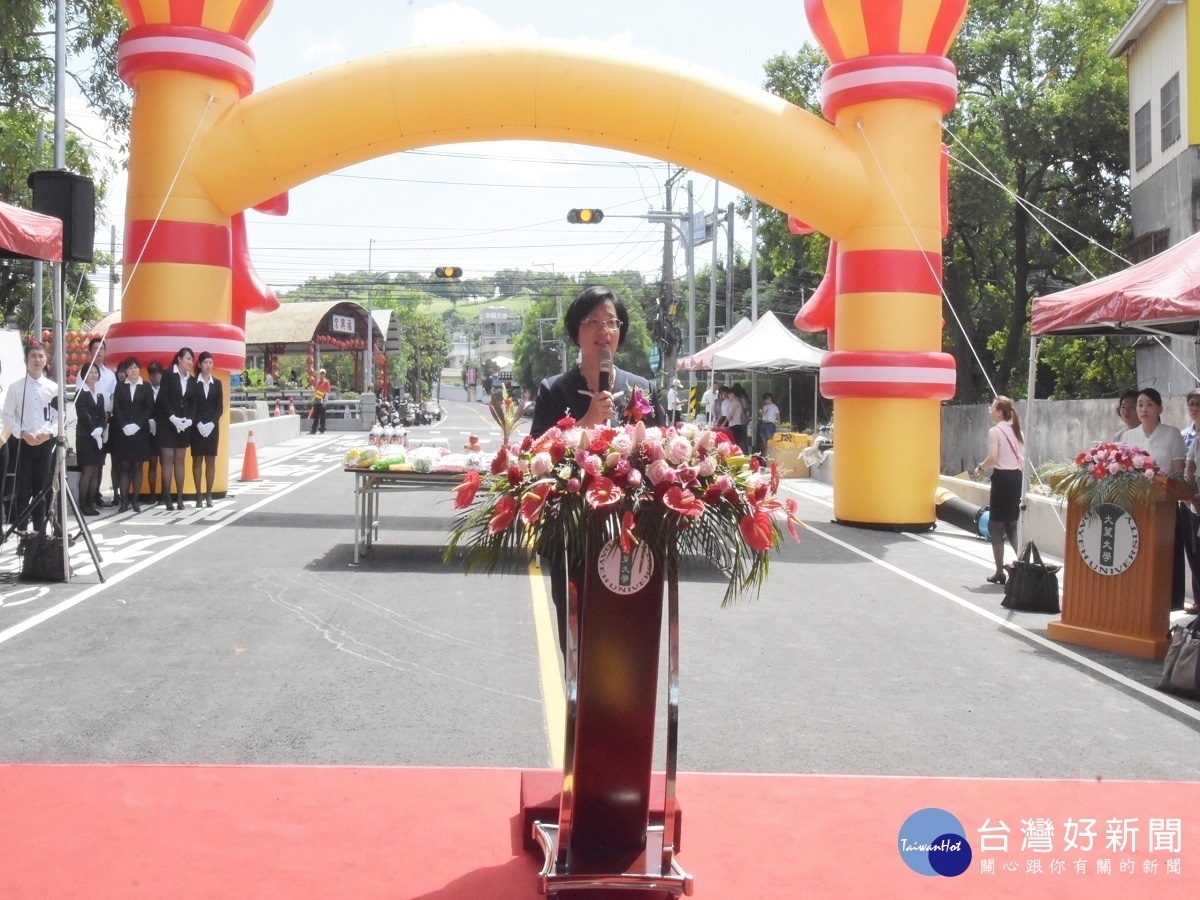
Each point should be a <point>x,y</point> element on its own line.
<point>30,415</point>
<point>709,402</point>
<point>106,385</point>
<point>674,404</point>
<point>768,421</point>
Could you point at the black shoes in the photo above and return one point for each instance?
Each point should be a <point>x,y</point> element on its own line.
<point>998,578</point>
<point>89,510</point>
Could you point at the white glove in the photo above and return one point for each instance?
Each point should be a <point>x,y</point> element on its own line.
<point>205,428</point>
<point>180,424</point>
<point>98,436</point>
<point>153,427</point>
<point>131,429</point>
<point>187,423</point>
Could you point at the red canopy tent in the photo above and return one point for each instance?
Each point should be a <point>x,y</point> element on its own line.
<point>1160,295</point>
<point>29,235</point>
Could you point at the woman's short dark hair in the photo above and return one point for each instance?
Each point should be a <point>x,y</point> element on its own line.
<point>204,354</point>
<point>130,361</point>
<point>155,368</point>
<point>83,371</point>
<point>588,300</point>
<point>1152,394</point>
<point>182,350</point>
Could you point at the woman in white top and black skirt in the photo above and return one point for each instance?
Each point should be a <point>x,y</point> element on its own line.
<point>1006,459</point>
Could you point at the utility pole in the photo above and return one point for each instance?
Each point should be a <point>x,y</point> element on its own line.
<point>666,312</point>
<point>730,268</point>
<point>712,273</point>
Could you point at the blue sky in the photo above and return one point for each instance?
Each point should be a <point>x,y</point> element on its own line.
<point>488,206</point>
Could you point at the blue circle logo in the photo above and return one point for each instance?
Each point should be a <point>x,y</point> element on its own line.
<point>933,842</point>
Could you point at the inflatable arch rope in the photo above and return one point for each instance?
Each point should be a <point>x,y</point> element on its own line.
<point>205,147</point>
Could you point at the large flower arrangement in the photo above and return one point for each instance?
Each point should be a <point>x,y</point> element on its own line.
<point>1120,474</point>
<point>683,490</point>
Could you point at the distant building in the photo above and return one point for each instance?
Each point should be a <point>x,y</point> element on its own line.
<point>1164,152</point>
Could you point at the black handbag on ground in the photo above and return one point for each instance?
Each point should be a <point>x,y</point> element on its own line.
<point>1181,668</point>
<point>41,558</point>
<point>1032,585</point>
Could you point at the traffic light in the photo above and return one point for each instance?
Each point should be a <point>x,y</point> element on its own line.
<point>447,272</point>
<point>585,216</point>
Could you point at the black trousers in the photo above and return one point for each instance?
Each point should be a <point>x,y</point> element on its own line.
<point>35,470</point>
<point>318,417</point>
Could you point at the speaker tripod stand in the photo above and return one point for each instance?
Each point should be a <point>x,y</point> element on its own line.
<point>47,556</point>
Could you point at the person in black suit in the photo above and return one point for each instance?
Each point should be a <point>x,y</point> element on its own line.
<point>90,418</point>
<point>133,407</point>
<point>207,405</point>
<point>173,415</point>
<point>597,321</point>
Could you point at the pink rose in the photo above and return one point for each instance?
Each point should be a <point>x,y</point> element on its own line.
<point>660,471</point>
<point>540,465</point>
<point>679,449</point>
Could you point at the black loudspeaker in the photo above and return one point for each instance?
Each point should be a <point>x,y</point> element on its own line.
<point>72,198</point>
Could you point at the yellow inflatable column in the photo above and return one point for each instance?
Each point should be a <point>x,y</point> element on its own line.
<point>186,60</point>
<point>887,89</point>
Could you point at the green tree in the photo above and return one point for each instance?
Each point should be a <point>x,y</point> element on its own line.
<point>1043,108</point>
<point>425,348</point>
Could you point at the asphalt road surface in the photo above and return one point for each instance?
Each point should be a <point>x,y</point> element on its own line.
<point>244,634</point>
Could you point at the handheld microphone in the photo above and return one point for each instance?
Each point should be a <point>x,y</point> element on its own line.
<point>606,369</point>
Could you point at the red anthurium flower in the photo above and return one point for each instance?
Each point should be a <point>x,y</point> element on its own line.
<point>466,491</point>
<point>500,461</point>
<point>757,531</point>
<point>532,503</point>
<point>683,501</point>
<point>503,514</point>
<point>602,492</point>
<point>627,539</point>
<point>565,422</point>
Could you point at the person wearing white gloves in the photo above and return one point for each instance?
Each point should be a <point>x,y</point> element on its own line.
<point>207,406</point>
<point>89,437</point>
<point>133,407</point>
<point>173,413</point>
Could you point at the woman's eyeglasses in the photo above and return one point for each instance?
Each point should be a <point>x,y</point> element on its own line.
<point>607,324</point>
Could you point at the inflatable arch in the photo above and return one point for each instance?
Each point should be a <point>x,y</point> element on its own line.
<point>205,147</point>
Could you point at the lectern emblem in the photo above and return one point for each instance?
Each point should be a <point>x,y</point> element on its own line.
<point>1107,539</point>
<point>625,573</point>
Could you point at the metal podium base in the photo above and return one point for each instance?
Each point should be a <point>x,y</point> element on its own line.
<point>645,874</point>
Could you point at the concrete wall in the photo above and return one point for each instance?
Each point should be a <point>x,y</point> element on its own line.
<point>1058,431</point>
<point>267,432</point>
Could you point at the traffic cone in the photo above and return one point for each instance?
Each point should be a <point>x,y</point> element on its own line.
<point>291,406</point>
<point>250,461</point>
<point>278,409</point>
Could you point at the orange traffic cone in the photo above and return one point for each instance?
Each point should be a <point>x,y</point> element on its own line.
<point>278,409</point>
<point>250,461</point>
<point>291,406</point>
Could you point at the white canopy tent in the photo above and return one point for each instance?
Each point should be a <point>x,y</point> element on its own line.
<point>762,347</point>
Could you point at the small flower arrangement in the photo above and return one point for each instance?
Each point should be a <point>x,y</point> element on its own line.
<point>1120,474</point>
<point>682,490</point>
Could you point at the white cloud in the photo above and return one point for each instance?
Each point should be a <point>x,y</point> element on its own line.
<point>452,23</point>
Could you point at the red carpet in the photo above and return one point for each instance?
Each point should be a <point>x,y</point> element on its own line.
<point>363,833</point>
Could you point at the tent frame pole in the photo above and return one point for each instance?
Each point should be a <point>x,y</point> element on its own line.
<point>1022,519</point>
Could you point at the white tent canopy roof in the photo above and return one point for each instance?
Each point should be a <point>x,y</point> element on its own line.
<point>764,346</point>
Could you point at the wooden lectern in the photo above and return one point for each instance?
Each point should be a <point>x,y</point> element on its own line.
<point>1117,574</point>
<point>605,837</point>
